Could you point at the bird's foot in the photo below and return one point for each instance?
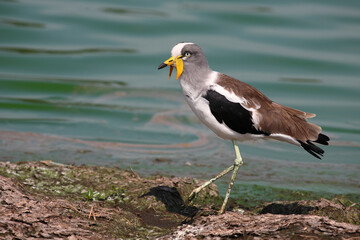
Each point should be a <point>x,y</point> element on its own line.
<point>196,191</point>
<point>193,194</point>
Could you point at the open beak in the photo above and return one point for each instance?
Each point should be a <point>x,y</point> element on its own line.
<point>178,63</point>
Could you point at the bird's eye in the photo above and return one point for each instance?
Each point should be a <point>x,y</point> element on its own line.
<point>187,54</point>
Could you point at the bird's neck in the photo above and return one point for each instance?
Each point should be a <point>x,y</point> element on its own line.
<point>196,81</point>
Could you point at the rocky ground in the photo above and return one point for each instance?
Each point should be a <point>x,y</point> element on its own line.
<point>45,200</point>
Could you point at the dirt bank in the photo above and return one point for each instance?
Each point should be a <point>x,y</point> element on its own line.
<point>44,200</point>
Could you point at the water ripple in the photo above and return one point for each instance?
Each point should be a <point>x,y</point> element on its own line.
<point>24,50</point>
<point>20,23</point>
<point>140,12</point>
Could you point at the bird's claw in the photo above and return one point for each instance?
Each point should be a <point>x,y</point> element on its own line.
<point>193,195</point>
<point>190,198</point>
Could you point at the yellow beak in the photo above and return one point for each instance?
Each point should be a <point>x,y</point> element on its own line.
<point>178,64</point>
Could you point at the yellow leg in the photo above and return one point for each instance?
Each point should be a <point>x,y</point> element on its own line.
<point>237,163</point>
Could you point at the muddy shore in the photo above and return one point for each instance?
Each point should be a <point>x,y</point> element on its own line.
<point>46,200</point>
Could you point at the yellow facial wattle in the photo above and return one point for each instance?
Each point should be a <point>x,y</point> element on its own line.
<point>178,62</point>
<point>179,66</point>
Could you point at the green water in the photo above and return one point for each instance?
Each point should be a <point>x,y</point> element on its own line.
<point>79,84</point>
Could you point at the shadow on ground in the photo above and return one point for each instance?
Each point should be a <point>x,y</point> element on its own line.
<point>172,200</point>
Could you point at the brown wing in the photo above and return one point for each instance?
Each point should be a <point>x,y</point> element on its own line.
<point>275,118</point>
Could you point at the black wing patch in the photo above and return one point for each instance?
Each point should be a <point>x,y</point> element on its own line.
<point>232,114</point>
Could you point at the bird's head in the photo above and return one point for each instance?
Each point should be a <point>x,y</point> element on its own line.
<point>185,55</point>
